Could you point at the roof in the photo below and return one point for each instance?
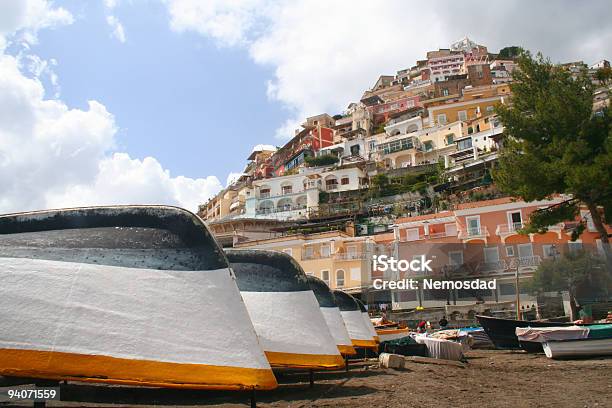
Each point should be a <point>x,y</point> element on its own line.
<point>261,148</point>
<point>486,203</point>
<point>442,214</point>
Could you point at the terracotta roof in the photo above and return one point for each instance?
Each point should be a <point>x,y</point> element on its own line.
<point>442,214</point>
<point>486,203</point>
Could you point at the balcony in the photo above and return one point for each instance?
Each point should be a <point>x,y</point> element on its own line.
<point>474,233</point>
<point>287,208</point>
<point>509,229</point>
<point>314,255</point>
<point>350,256</point>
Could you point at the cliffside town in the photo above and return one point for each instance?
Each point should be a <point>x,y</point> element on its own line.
<point>404,171</point>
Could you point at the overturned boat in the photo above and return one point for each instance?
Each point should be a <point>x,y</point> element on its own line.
<point>358,331</point>
<point>135,295</point>
<point>570,341</point>
<point>284,311</point>
<point>388,334</point>
<point>367,321</point>
<point>332,315</point>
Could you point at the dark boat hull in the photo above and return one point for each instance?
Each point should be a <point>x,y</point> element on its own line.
<point>502,332</point>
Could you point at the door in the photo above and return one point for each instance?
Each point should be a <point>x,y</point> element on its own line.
<point>515,221</point>
<point>473,225</point>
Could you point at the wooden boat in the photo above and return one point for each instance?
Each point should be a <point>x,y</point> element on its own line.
<point>284,310</point>
<point>392,333</point>
<point>502,332</point>
<point>592,347</point>
<point>134,295</point>
<point>331,313</point>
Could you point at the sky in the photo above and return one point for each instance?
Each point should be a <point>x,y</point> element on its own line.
<point>161,101</point>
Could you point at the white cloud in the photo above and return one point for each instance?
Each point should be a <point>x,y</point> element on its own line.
<point>326,53</point>
<point>228,21</point>
<point>54,156</point>
<point>26,17</point>
<point>117,28</point>
<point>231,178</point>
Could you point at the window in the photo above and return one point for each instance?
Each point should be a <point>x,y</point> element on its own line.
<point>506,289</point>
<point>491,255</point>
<point>325,251</point>
<point>525,250</point>
<point>264,193</point>
<point>287,189</point>
<point>339,278</point>
<point>450,230</point>
<point>586,215</point>
<point>548,251</point>
<point>445,92</point>
<point>574,246</point>
<point>442,118</point>
<point>344,181</point>
<point>455,258</point>
<point>510,250</point>
<point>462,115</point>
<point>372,145</point>
<point>515,221</point>
<point>464,144</point>
<point>308,252</point>
<point>449,138</point>
<point>356,274</point>
<point>473,225</point>
<point>355,150</point>
<point>428,146</point>
<point>351,252</point>
<point>325,276</point>
<point>412,234</point>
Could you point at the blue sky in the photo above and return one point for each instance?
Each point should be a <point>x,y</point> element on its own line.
<point>178,97</point>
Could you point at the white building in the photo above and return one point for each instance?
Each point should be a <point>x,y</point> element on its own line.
<point>296,196</point>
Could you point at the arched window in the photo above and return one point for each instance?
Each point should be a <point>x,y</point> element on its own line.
<point>266,207</point>
<point>339,278</point>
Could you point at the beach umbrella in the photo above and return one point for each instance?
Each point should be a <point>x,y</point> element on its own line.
<point>284,311</point>
<point>332,315</point>
<point>353,320</point>
<point>367,321</point>
<point>135,295</point>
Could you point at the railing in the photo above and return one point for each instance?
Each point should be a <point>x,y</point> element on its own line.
<point>349,256</point>
<point>260,211</point>
<point>309,257</point>
<point>480,232</point>
<point>514,228</point>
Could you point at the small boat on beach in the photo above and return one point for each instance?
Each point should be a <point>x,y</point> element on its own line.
<point>502,332</point>
<point>578,348</point>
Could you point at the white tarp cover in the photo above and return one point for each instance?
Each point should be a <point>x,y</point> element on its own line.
<point>357,329</point>
<point>442,349</point>
<point>192,317</point>
<point>543,334</point>
<point>336,326</point>
<point>290,322</point>
<point>369,324</point>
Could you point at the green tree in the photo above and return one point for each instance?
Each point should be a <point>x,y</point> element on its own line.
<point>604,75</point>
<point>509,52</point>
<point>555,144</point>
<point>571,272</point>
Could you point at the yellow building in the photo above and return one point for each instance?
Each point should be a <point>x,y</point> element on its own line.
<point>339,259</point>
<point>475,103</point>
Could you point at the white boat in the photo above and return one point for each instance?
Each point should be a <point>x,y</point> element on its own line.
<point>578,348</point>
